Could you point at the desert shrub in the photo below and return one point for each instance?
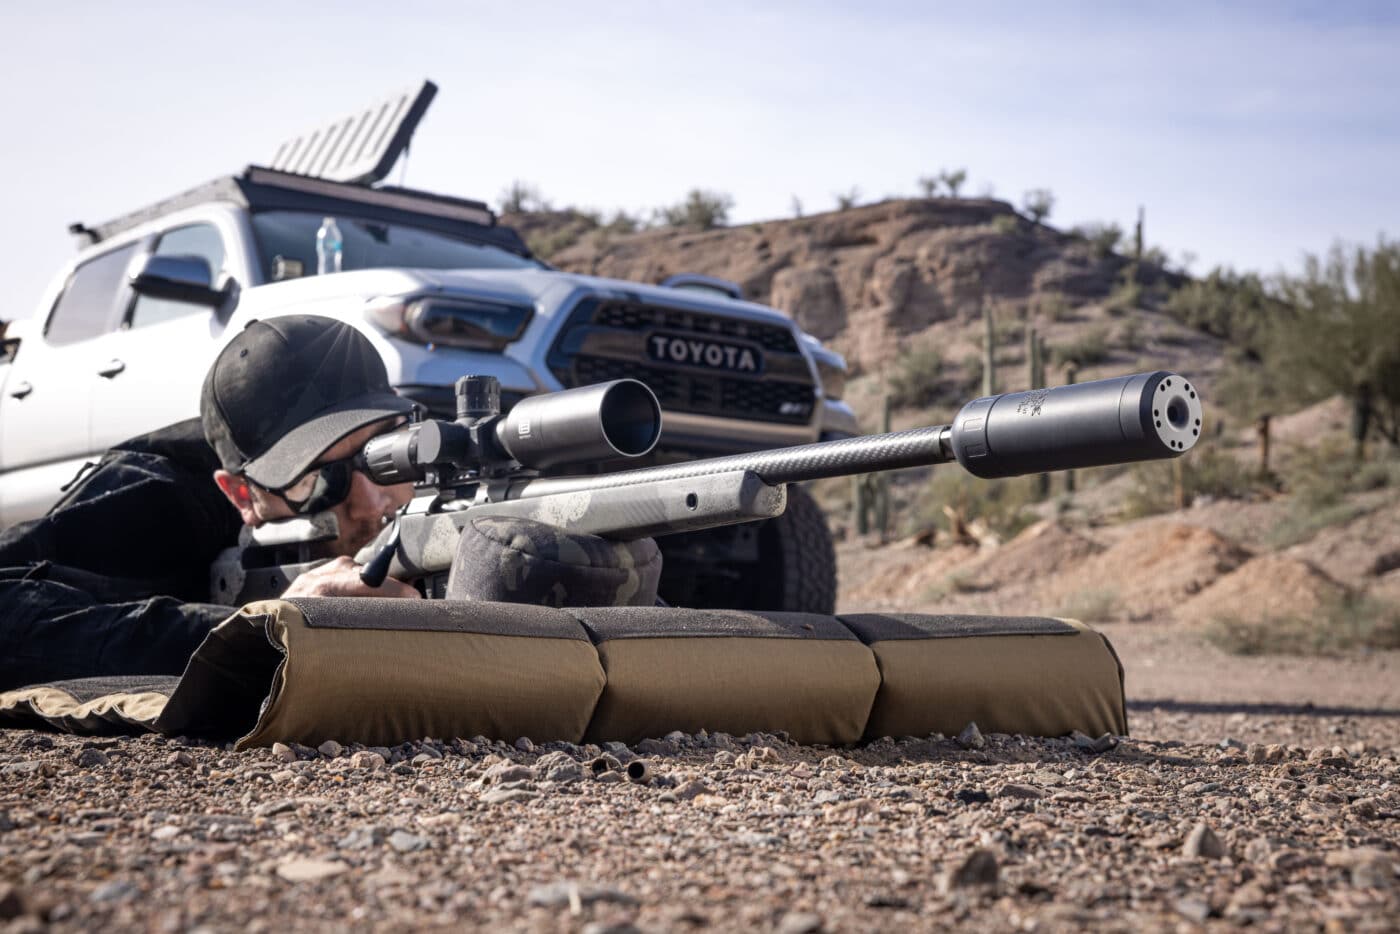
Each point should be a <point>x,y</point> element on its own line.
<point>1104,237</point>
<point>845,200</point>
<point>1086,349</point>
<point>1337,331</point>
<point>1155,256</point>
<point>545,244</point>
<point>1055,307</point>
<point>623,223</point>
<point>701,209</point>
<point>953,180</point>
<point>1038,203</point>
<point>521,198</point>
<point>1006,224</point>
<point>1006,329</point>
<point>1127,294</point>
<point>1323,474</point>
<point>1321,479</point>
<point>916,378</point>
<point>1207,470</point>
<point>1319,475</point>
<point>1091,606</point>
<point>1348,623</point>
<point>1233,306</point>
<point>1300,522</point>
<point>1129,333</point>
<point>1247,389</point>
<point>958,582</point>
<point>1381,473</point>
<point>1002,505</point>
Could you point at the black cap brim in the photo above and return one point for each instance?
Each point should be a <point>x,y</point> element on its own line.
<point>294,453</point>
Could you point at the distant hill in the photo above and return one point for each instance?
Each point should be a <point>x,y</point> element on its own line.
<point>882,281</point>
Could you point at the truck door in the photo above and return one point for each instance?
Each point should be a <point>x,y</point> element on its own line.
<point>153,366</point>
<point>44,412</point>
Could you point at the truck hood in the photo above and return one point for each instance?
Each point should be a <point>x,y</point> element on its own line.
<point>545,289</point>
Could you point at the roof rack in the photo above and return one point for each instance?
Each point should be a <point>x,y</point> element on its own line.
<point>263,189</point>
<point>339,161</point>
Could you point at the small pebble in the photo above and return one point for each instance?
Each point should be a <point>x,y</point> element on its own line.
<point>980,868</point>
<point>971,738</point>
<point>1202,843</point>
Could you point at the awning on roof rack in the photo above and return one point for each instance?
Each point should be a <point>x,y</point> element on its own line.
<point>363,147</point>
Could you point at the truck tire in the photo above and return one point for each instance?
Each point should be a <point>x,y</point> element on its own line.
<point>797,561</point>
<point>787,563</point>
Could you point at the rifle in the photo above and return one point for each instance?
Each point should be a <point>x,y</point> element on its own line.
<point>485,463</point>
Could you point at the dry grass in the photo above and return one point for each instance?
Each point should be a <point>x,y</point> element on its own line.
<point>1342,625</point>
<point>1091,606</point>
<point>1209,470</point>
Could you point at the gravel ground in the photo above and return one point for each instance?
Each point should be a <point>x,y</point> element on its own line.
<point>969,832</point>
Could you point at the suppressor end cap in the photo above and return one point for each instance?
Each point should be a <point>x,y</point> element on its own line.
<point>1176,417</point>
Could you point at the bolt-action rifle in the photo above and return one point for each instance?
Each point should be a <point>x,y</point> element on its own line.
<point>486,463</point>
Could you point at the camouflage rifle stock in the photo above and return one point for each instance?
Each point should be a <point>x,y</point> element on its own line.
<point>484,464</point>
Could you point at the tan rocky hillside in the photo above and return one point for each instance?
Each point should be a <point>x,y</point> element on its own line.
<point>881,279</point>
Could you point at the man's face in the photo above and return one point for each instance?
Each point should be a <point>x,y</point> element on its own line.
<point>361,515</point>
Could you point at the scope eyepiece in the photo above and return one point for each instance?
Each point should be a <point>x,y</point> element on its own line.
<point>1146,416</point>
<point>393,457</point>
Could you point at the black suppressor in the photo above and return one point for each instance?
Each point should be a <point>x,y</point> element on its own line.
<point>1146,416</point>
<point>601,422</point>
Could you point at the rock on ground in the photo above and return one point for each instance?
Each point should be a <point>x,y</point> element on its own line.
<point>1282,821</point>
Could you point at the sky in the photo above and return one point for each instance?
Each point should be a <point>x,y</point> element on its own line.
<point>1251,133</point>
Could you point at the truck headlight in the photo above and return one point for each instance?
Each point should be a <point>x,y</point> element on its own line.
<point>454,322</point>
<point>831,370</point>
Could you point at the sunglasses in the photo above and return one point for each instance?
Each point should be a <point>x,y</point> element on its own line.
<point>325,486</point>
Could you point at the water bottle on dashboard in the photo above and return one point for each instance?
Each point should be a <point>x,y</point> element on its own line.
<point>329,247</point>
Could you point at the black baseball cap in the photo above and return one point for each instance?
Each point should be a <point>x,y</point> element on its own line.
<point>286,389</point>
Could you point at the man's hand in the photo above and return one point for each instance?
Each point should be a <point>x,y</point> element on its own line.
<point>340,577</point>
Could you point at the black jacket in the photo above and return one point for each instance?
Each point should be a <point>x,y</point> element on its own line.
<point>113,579</point>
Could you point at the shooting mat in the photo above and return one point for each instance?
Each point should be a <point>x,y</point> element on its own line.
<point>381,672</point>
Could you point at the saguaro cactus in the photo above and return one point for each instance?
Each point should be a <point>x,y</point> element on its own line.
<point>1071,376</point>
<point>989,351</point>
<point>882,482</point>
<point>870,493</point>
<point>1035,377</point>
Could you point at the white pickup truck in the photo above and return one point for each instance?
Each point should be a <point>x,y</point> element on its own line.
<point>123,337</point>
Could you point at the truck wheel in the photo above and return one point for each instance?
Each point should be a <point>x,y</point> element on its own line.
<point>787,563</point>
<point>797,561</point>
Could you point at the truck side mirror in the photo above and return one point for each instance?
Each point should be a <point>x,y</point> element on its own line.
<point>178,278</point>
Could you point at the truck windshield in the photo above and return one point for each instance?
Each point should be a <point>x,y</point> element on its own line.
<point>287,246</point>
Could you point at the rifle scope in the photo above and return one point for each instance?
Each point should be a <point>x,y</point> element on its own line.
<point>603,421</point>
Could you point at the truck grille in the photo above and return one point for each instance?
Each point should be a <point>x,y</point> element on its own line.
<point>594,347</point>
<point>704,394</point>
<point>631,317</point>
